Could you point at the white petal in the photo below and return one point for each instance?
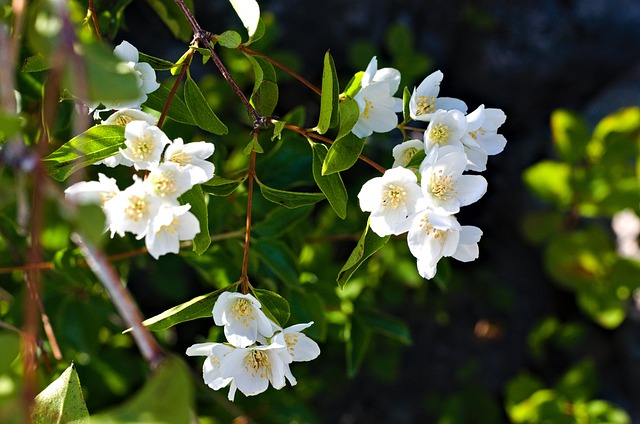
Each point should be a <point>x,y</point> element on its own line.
<point>367,77</point>
<point>448,103</point>
<point>126,52</point>
<point>249,13</point>
<point>148,75</point>
<point>470,188</point>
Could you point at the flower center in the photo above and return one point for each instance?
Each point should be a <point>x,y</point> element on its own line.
<point>181,158</point>
<point>440,133</point>
<point>142,147</point>
<point>393,196</point>
<point>426,104</point>
<point>291,339</point>
<point>163,183</point>
<point>430,229</point>
<point>123,120</point>
<point>408,154</point>
<point>172,228</point>
<point>242,310</point>
<point>442,186</point>
<point>368,105</point>
<point>257,362</point>
<point>137,208</point>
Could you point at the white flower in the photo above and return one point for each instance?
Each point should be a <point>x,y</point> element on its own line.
<point>433,236</point>
<point>191,156</point>
<point>253,368</point>
<point>425,101</point>
<point>444,187</point>
<point>391,199</point>
<point>168,181</point>
<point>403,152</point>
<point>242,318</point>
<point>482,138</point>
<point>132,210</point>
<point>124,116</point>
<point>376,110</point>
<point>171,225</point>
<point>93,191</point>
<point>446,128</point>
<point>390,76</point>
<point>215,353</point>
<point>300,347</point>
<point>144,144</point>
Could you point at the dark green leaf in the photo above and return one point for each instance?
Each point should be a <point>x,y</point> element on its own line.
<point>35,63</point>
<point>329,98</point>
<point>281,220</point>
<point>277,256</point>
<point>388,326</point>
<point>166,397</point>
<point>178,110</point>
<point>173,17</point>
<point>200,109</point>
<point>253,146</point>
<point>265,90</point>
<point>343,154</point>
<point>198,307</point>
<point>195,197</point>
<point>331,185</point>
<point>307,306</point>
<point>358,340</point>
<point>10,343</point>
<point>219,186</point>
<point>406,97</point>
<point>156,63</point>
<point>349,113</point>
<point>416,159</point>
<point>368,244</point>
<point>97,143</point>
<point>290,199</point>
<point>273,305</point>
<point>229,39</point>
<point>62,401</point>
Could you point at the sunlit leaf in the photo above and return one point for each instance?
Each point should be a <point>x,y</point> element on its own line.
<point>229,39</point>
<point>329,99</point>
<point>97,143</point>
<point>331,185</point>
<point>349,112</point>
<point>273,305</point>
<point>195,197</point>
<point>570,135</point>
<point>265,90</point>
<point>550,181</point>
<point>178,110</point>
<point>61,402</point>
<point>200,109</point>
<point>343,154</point>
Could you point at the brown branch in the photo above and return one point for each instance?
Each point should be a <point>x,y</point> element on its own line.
<point>244,278</point>
<point>294,74</point>
<point>174,89</point>
<point>312,134</point>
<point>94,19</point>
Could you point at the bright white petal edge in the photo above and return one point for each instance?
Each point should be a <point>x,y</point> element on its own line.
<point>249,13</point>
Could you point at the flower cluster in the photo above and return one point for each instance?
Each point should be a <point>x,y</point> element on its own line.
<point>258,351</point>
<point>422,199</point>
<point>149,208</point>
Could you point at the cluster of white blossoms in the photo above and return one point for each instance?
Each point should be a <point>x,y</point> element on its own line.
<point>258,351</point>
<point>423,200</point>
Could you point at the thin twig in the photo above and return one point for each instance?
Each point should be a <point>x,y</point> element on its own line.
<point>312,134</point>
<point>172,93</point>
<point>122,300</point>
<point>94,18</point>
<point>244,278</point>
<point>274,62</point>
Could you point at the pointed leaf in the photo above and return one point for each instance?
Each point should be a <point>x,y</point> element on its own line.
<point>265,90</point>
<point>166,397</point>
<point>219,186</point>
<point>368,244</point>
<point>353,86</point>
<point>416,159</point>
<point>156,63</point>
<point>198,307</point>
<point>273,305</point>
<point>249,13</point>
<point>349,112</point>
<point>406,97</point>
<point>195,197</point>
<point>331,185</point>
<point>62,401</point>
<point>96,143</point>
<point>329,98</point>
<point>289,199</point>
<point>178,110</point>
<point>343,154</point>
<point>200,109</point>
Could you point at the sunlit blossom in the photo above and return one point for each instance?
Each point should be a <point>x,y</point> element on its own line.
<point>242,318</point>
<point>425,102</point>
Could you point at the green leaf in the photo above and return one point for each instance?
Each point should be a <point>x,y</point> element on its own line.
<point>10,343</point>
<point>178,110</point>
<point>277,256</point>
<point>570,135</point>
<point>289,199</point>
<point>253,146</point>
<point>353,86</point>
<point>343,154</point>
<point>579,383</point>
<point>219,186</point>
<point>166,397</point>
<point>331,185</point>
<point>281,220</point>
<point>96,143</point>
<point>265,89</point>
<point>388,326</point>
<point>229,39</point>
<point>406,97</point>
<point>9,125</point>
<point>358,341</point>
<point>156,63</point>
<point>35,63</point>
<point>273,305</point>
<point>173,17</point>
<point>368,244</point>
<point>198,307</point>
<point>329,99</point>
<point>349,112</point>
<point>278,126</point>
<point>62,401</point>
<point>195,197</point>
<point>200,109</point>
<point>550,181</point>
<point>416,159</point>
<point>307,306</point>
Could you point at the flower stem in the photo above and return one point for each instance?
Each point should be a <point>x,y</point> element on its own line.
<point>174,89</point>
<point>94,19</point>
<point>244,278</point>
